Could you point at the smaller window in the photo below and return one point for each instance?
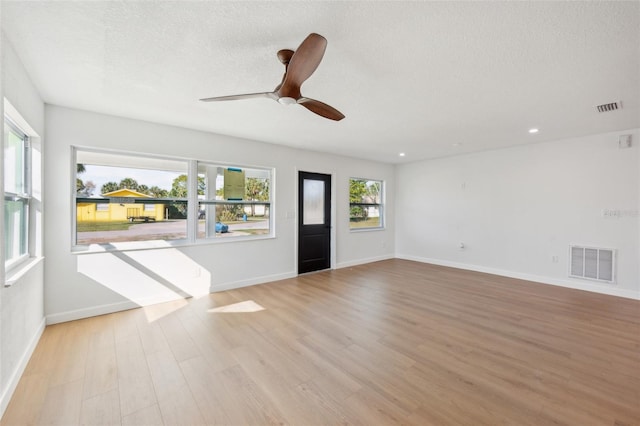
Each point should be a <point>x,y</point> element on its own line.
<point>365,203</point>
<point>233,201</point>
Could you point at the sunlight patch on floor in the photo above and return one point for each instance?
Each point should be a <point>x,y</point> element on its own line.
<point>241,307</point>
<point>160,310</point>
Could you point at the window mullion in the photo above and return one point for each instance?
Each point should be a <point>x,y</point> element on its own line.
<point>27,165</point>
<point>192,204</point>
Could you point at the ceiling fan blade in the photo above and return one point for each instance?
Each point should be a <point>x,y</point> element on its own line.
<point>321,109</point>
<point>270,95</point>
<point>299,66</point>
<point>302,64</point>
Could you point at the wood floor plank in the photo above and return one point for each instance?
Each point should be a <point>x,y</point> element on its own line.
<point>145,416</point>
<point>178,407</point>
<point>103,409</point>
<point>71,355</point>
<point>27,401</point>
<point>322,372</point>
<point>203,385</point>
<point>369,408</point>
<point>166,374</point>
<point>101,371</point>
<point>327,409</point>
<point>134,380</point>
<point>152,337</point>
<point>390,342</point>
<point>42,360</point>
<point>243,401</point>
<point>209,342</point>
<point>62,405</point>
<point>178,339</point>
<point>125,323</point>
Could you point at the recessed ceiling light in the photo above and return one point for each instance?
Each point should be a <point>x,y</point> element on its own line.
<point>456,144</point>
<point>402,154</point>
<point>533,131</point>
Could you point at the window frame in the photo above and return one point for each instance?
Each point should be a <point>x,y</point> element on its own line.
<point>125,245</point>
<point>24,197</point>
<point>379,205</point>
<point>192,201</point>
<point>268,204</point>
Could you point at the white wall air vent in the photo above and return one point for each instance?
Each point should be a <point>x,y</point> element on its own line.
<point>609,107</point>
<point>592,263</point>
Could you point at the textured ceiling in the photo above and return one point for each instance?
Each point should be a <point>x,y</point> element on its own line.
<point>430,79</point>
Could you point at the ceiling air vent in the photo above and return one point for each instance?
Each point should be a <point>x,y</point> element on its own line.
<point>609,107</point>
<point>592,263</point>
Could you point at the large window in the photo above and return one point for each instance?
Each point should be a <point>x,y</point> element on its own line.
<point>17,193</point>
<point>365,204</point>
<point>123,198</point>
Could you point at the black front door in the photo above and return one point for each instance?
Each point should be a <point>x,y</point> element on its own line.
<point>314,222</point>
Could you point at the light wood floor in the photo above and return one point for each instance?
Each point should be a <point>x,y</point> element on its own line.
<point>394,342</point>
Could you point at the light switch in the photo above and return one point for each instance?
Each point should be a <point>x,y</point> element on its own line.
<point>624,141</point>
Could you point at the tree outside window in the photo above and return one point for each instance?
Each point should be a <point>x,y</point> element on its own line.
<point>365,203</point>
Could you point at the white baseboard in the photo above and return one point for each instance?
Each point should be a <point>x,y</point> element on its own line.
<point>90,312</point>
<point>252,281</point>
<point>125,305</point>
<point>578,285</point>
<point>363,261</point>
<point>110,308</point>
<point>16,374</point>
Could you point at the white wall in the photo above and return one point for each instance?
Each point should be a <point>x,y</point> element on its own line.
<point>21,304</point>
<point>516,208</point>
<point>3,398</point>
<point>80,285</point>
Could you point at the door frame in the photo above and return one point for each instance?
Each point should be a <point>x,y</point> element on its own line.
<point>332,233</point>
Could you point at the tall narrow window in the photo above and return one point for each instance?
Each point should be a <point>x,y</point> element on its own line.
<point>17,193</point>
<point>365,203</point>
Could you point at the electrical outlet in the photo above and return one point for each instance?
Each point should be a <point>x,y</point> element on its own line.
<point>611,213</point>
<point>555,259</point>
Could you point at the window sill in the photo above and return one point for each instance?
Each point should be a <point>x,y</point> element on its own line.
<point>20,270</point>
<point>357,230</point>
<point>161,244</point>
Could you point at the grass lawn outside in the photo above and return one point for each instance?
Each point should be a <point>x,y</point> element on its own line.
<point>103,226</point>
<point>371,222</point>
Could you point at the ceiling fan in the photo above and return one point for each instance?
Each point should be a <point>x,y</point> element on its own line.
<point>299,66</point>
